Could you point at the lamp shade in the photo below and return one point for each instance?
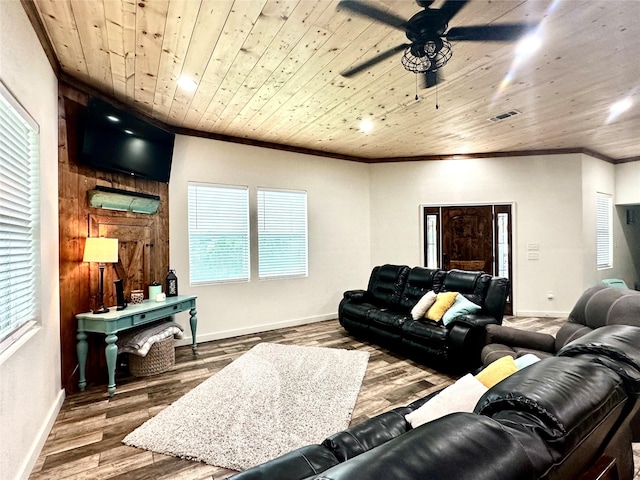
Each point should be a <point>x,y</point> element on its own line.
<point>101,250</point>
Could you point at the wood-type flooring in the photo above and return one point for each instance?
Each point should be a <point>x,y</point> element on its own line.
<point>85,441</point>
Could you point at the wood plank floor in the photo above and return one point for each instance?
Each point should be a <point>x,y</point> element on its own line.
<point>85,441</point>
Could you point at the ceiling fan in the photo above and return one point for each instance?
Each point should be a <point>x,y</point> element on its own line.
<point>429,48</point>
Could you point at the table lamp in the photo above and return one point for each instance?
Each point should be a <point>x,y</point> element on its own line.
<point>101,250</point>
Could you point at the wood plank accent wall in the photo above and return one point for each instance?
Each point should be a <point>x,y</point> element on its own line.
<point>143,264</point>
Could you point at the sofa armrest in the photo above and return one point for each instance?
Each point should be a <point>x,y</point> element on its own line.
<point>368,434</point>
<point>299,464</point>
<point>474,320</point>
<point>514,337</point>
<point>356,295</point>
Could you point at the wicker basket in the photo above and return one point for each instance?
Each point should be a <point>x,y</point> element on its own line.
<point>160,357</point>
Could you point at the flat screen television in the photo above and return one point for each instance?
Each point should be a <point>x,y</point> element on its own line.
<point>118,141</point>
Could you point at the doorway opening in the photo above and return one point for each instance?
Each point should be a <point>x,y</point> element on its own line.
<point>470,237</point>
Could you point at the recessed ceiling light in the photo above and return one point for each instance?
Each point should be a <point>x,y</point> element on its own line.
<point>187,83</point>
<point>366,126</point>
<point>113,118</point>
<point>528,45</point>
<point>621,106</point>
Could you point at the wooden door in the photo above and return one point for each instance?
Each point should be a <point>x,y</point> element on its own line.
<point>135,255</point>
<point>470,238</point>
<point>467,238</point>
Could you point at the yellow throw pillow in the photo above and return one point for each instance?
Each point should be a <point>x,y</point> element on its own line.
<point>444,300</point>
<point>497,371</point>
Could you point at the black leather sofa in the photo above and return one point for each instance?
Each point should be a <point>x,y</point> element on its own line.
<point>381,314</point>
<point>555,419</point>
<point>597,306</point>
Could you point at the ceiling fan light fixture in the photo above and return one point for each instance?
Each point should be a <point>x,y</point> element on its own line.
<point>187,83</point>
<point>429,58</point>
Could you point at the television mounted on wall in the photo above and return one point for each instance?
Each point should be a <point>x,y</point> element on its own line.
<point>115,140</point>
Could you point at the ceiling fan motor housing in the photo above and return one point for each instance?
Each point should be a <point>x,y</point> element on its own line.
<point>426,25</point>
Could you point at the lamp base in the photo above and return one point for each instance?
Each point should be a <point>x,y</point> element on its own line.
<point>101,310</point>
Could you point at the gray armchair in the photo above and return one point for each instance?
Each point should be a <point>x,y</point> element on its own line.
<point>598,306</point>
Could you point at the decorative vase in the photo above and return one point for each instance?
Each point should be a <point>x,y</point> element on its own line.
<point>137,296</point>
<point>171,284</point>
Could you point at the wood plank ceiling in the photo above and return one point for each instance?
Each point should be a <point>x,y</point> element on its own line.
<point>269,71</point>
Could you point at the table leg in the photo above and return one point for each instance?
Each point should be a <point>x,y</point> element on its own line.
<point>81,349</point>
<point>111,354</point>
<point>194,326</point>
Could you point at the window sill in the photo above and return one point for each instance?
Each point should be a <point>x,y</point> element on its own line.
<point>19,338</point>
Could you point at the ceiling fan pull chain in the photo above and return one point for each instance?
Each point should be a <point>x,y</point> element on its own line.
<point>436,96</point>
<point>417,88</point>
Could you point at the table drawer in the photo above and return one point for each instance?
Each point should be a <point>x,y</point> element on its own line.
<point>166,311</point>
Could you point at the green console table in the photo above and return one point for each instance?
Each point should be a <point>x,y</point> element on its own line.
<point>115,321</point>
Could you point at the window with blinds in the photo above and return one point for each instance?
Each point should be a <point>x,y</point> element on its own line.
<point>218,233</point>
<point>282,233</point>
<point>19,220</point>
<point>604,231</point>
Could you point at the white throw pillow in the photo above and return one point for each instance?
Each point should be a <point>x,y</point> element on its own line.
<point>420,309</point>
<point>462,396</point>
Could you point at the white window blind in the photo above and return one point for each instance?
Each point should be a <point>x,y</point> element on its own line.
<point>218,233</point>
<point>19,220</point>
<point>282,233</point>
<point>604,234</point>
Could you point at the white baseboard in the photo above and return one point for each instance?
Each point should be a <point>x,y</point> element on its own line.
<point>41,438</point>
<point>207,337</point>
<point>542,314</point>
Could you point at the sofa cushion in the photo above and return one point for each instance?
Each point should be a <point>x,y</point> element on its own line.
<point>357,311</point>
<point>473,285</point>
<point>614,346</point>
<point>460,306</point>
<point>420,281</point>
<point>461,396</point>
<point>386,284</point>
<point>386,320</point>
<point>562,399</point>
<point>458,446</point>
<point>425,331</point>
<point>424,304</point>
<point>443,302</point>
<point>497,371</point>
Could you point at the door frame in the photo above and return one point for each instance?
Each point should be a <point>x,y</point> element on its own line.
<point>511,233</point>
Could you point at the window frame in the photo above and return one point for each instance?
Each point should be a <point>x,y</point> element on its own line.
<point>295,227</point>
<point>20,169</point>
<point>239,229</point>
<point>604,231</point>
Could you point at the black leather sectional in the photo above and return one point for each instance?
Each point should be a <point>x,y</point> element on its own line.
<point>381,313</point>
<point>555,420</point>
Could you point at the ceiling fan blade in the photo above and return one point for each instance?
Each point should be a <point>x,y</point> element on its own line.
<point>373,13</point>
<point>489,33</point>
<point>451,7</point>
<point>377,59</point>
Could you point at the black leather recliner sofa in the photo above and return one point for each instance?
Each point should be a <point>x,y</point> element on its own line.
<point>555,420</point>
<point>381,314</point>
<point>597,306</point>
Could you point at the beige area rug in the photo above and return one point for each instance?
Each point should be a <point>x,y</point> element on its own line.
<point>271,400</point>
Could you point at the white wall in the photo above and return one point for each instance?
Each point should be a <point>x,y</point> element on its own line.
<point>599,176</point>
<point>628,183</point>
<point>546,192</point>
<point>338,212</point>
<point>30,393</point>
